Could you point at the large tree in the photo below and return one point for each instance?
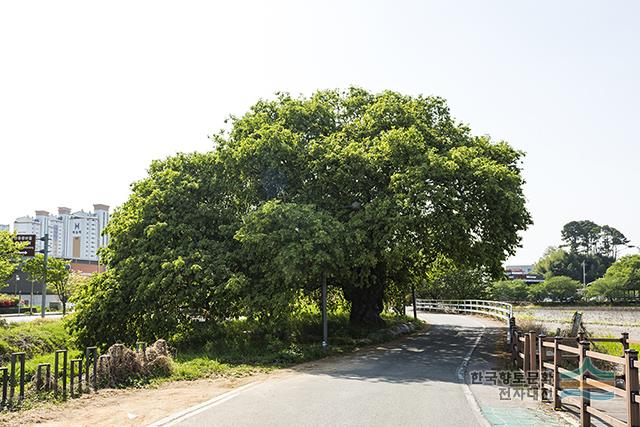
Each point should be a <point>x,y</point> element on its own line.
<point>364,190</point>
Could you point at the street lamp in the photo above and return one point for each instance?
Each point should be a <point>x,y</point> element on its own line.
<point>45,239</point>
<point>353,207</point>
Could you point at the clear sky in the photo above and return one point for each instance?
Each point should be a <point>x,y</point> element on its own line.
<point>91,92</point>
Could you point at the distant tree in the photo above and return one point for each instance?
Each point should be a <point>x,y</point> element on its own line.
<point>608,288</point>
<point>610,240</point>
<point>558,262</point>
<point>553,261</point>
<point>509,290</point>
<point>58,271</point>
<point>626,271</point>
<point>588,238</point>
<point>581,236</point>
<point>537,292</point>
<point>561,289</point>
<point>9,255</point>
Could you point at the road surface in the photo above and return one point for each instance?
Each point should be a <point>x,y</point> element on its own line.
<point>414,381</point>
<point>27,318</point>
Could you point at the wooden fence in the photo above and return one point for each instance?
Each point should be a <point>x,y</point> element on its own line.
<point>547,358</point>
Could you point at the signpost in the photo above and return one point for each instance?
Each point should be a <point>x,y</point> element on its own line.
<point>30,249</point>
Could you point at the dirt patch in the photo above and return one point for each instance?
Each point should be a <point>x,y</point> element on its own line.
<point>132,407</point>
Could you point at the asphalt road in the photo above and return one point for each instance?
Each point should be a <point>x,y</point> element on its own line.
<point>414,381</point>
<point>22,318</point>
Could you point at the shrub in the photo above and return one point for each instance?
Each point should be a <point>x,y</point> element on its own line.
<point>8,301</point>
<point>537,292</point>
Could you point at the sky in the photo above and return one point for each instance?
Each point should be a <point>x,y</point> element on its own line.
<point>92,92</point>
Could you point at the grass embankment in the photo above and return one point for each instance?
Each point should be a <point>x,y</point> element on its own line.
<point>530,323</point>
<point>237,348</point>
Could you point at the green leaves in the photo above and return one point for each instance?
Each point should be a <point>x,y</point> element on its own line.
<point>9,255</point>
<point>365,189</point>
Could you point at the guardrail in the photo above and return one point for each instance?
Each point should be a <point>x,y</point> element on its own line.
<point>498,309</point>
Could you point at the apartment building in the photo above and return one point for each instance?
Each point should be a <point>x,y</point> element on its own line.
<point>76,236</point>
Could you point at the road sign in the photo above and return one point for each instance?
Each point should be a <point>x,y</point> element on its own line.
<point>30,249</point>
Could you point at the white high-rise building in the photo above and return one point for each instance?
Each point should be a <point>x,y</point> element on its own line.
<point>4,227</point>
<point>76,236</point>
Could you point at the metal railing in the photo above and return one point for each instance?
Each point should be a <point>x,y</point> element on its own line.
<point>498,309</point>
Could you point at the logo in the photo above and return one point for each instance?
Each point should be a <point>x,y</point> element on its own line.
<point>570,381</point>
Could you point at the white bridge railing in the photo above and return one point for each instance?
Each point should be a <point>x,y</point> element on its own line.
<point>497,309</point>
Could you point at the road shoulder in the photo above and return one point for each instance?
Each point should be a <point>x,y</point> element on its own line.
<point>502,405</point>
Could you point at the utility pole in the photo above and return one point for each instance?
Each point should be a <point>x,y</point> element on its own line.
<point>325,325</point>
<point>413,301</point>
<point>584,275</point>
<point>45,251</point>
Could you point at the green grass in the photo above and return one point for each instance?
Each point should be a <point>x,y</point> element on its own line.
<point>35,338</point>
<point>236,348</point>
<point>612,348</point>
<point>239,349</point>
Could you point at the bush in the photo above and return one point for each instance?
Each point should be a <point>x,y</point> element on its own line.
<point>8,301</point>
<point>537,292</point>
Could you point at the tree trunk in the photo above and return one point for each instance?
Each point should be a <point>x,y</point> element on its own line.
<point>366,305</point>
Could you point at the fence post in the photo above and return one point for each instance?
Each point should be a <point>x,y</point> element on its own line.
<point>585,394</point>
<point>557,360</point>
<point>64,372</point>
<point>532,351</point>
<point>513,339</point>
<point>541,355</point>
<point>631,387</point>
<point>624,339</point>
<point>91,358</point>
<point>5,379</point>
<point>526,352</point>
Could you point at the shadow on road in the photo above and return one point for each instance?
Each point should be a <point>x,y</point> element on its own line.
<point>432,356</point>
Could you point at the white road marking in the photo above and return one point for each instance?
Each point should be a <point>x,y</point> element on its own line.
<point>468,394</point>
<point>178,417</point>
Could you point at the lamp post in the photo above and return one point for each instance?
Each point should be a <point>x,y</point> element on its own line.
<point>45,239</point>
<point>354,206</point>
<point>325,322</point>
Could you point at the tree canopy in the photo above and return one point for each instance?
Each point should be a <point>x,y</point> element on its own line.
<point>366,190</point>
<point>558,262</point>
<point>587,237</point>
